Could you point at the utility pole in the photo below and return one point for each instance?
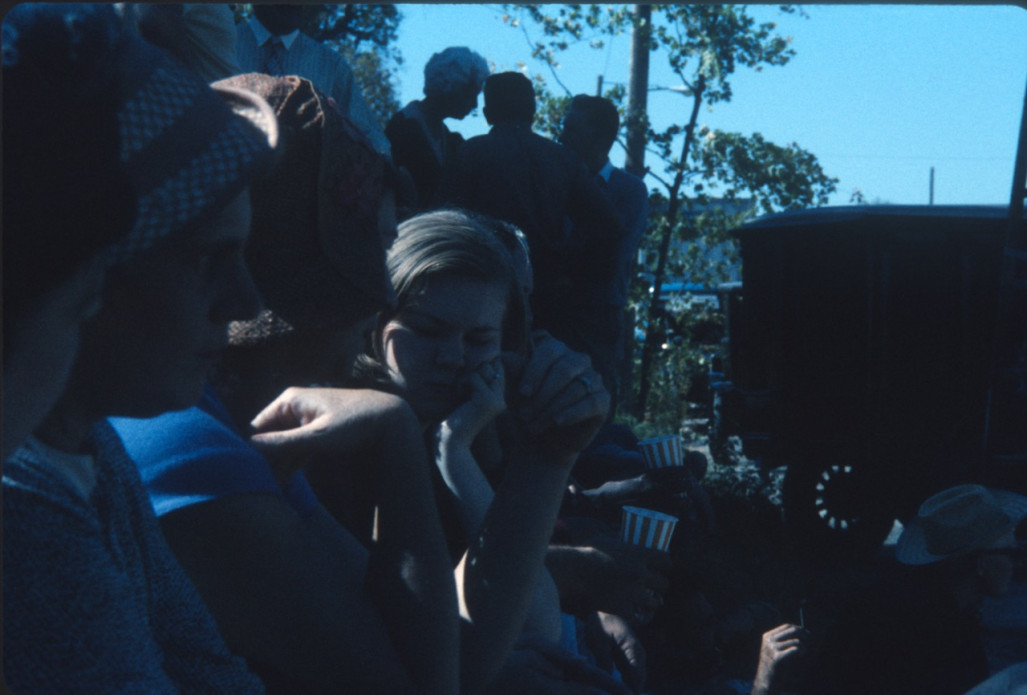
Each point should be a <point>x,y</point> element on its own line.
<point>930,195</point>
<point>599,86</point>
<point>638,91</point>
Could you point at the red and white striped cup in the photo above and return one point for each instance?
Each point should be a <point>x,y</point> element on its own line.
<point>661,452</point>
<point>646,527</point>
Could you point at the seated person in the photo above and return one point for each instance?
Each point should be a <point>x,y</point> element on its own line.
<point>920,632</point>
<point>1011,680</point>
<point>456,348</point>
<point>94,601</point>
<point>608,586</point>
<point>344,618</point>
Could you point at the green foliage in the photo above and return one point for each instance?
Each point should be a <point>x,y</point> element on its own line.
<point>780,178</point>
<point>570,25</point>
<point>365,35</point>
<point>711,41</point>
<point>363,27</point>
<point>549,109</point>
<point>377,80</point>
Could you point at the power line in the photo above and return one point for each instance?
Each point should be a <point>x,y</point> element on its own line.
<point>913,157</point>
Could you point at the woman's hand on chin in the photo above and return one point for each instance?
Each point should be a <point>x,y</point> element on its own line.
<point>487,400</point>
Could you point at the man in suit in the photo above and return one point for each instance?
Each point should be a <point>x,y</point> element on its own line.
<point>544,188</point>
<point>590,128</point>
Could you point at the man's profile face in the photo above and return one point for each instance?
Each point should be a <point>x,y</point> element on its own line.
<point>579,135</point>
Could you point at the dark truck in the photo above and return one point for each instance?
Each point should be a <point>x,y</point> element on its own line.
<point>876,352</point>
<point>880,353</point>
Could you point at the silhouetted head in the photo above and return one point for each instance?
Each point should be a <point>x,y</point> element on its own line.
<point>279,19</point>
<point>590,128</point>
<point>509,98</point>
<point>453,77</point>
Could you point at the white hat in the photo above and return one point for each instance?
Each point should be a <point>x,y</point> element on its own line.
<point>958,521</point>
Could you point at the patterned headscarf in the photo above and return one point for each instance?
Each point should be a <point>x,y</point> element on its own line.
<point>188,149</point>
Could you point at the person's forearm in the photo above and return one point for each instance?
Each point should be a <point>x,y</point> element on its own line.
<point>467,482</point>
<point>543,624</point>
<point>499,576</point>
<point>410,574</point>
<point>469,486</point>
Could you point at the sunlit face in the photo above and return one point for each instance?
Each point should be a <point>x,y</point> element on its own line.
<point>164,319</point>
<point>439,338</point>
<point>995,566</point>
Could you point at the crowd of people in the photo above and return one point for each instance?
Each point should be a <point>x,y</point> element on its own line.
<point>296,403</point>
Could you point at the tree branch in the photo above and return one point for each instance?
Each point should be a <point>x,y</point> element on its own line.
<point>546,60</point>
<point>649,346</point>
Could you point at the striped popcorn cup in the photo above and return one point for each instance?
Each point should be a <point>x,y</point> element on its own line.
<point>646,527</point>
<point>661,452</point>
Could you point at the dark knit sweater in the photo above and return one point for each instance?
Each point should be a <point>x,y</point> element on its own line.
<point>94,601</point>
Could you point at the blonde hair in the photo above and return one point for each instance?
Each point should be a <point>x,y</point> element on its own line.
<point>448,243</point>
<point>451,70</point>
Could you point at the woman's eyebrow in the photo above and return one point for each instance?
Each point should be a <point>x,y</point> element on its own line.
<point>424,318</point>
<point>417,312</point>
<point>421,314</point>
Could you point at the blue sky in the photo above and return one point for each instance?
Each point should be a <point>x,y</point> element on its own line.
<point>880,93</point>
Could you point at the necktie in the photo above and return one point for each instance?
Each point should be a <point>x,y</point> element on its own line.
<point>274,52</point>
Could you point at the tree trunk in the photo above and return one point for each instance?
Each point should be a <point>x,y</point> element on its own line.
<point>670,218</point>
<point>637,122</point>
